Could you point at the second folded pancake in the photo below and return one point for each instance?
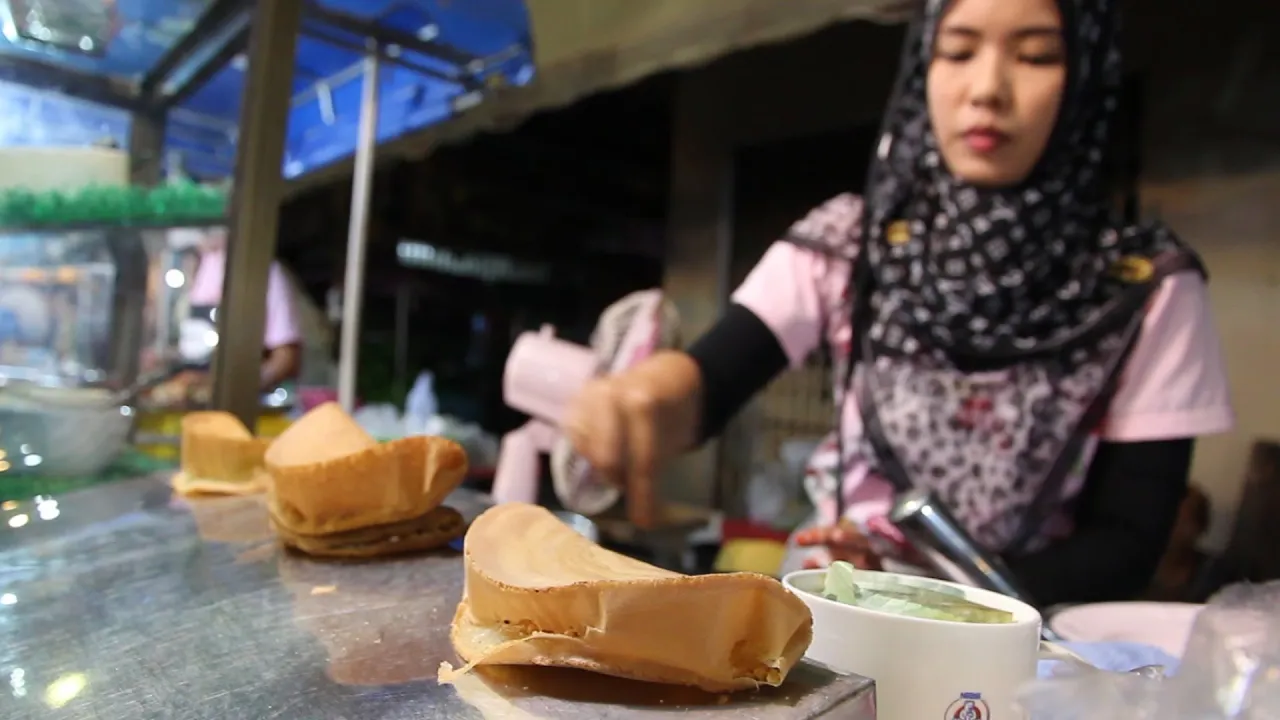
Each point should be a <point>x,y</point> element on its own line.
<point>219,456</point>
<point>337,492</point>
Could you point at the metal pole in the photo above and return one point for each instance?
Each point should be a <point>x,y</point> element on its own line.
<point>255,207</point>
<point>357,235</point>
<point>169,260</point>
<point>129,302</point>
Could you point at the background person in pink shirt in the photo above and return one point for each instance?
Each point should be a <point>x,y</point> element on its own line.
<point>996,338</point>
<point>282,337</point>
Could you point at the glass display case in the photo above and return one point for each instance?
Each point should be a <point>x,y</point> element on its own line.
<point>104,93</point>
<point>76,310</point>
<point>56,295</point>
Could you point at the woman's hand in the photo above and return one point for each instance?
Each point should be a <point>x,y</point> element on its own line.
<point>282,363</point>
<point>628,425</point>
<point>176,391</point>
<point>844,542</point>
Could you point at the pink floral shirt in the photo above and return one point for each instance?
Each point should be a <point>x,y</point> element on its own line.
<point>1174,385</point>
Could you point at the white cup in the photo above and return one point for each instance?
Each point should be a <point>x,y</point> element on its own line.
<point>928,669</point>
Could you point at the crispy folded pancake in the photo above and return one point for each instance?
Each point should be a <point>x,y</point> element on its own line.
<point>434,530</point>
<point>337,492</point>
<point>219,456</point>
<point>537,593</point>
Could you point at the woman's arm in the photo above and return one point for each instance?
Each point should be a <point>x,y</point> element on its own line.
<point>1126,513</point>
<point>780,313</point>
<point>282,333</point>
<point>736,359</point>
<point>1174,389</point>
<point>282,363</point>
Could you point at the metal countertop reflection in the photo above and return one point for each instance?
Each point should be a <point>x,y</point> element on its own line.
<point>133,604</point>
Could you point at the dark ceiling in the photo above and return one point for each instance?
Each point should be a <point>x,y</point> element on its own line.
<point>586,173</point>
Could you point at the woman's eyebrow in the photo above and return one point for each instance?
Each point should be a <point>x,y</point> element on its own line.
<point>961,30</point>
<point>1019,34</point>
<point>1038,31</point>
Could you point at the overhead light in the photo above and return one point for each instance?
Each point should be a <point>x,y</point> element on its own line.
<point>240,62</point>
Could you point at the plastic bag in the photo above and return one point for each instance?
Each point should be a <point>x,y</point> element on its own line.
<point>421,404</point>
<point>1231,668</point>
<point>795,454</point>
<point>1230,671</point>
<point>1078,693</point>
<point>381,421</point>
<point>481,447</point>
<point>769,493</point>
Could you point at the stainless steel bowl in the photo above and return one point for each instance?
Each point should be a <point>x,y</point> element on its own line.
<point>580,524</point>
<point>52,431</point>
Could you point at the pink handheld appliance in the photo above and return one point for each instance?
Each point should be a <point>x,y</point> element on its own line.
<point>542,375</point>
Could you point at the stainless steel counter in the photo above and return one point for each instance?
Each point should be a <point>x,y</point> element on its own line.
<point>123,602</point>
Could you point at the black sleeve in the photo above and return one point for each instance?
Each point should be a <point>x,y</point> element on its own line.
<point>737,358</point>
<point>1126,513</point>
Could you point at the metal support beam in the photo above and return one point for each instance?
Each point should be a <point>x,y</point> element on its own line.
<point>255,207</point>
<point>146,148</point>
<point>407,42</point>
<point>218,15</point>
<point>232,45</point>
<point>358,235</point>
<point>698,251</point>
<point>351,73</point>
<point>321,32</point>
<point>129,299</point>
<point>49,76</point>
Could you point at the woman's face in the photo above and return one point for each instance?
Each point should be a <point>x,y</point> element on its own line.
<point>995,84</point>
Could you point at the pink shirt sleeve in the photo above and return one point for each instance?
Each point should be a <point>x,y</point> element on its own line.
<point>1175,385</point>
<point>796,291</point>
<point>282,322</point>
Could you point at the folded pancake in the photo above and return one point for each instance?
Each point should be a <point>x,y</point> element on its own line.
<point>330,480</point>
<point>437,528</point>
<point>219,456</point>
<point>537,593</point>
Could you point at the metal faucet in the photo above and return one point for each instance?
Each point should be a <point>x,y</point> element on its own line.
<point>931,528</point>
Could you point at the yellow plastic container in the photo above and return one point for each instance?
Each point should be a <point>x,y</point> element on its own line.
<point>751,555</point>
<point>167,424</point>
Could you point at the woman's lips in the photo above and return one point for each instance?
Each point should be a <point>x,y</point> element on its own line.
<point>985,140</point>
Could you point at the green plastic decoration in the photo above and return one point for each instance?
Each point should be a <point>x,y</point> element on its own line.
<point>172,205</point>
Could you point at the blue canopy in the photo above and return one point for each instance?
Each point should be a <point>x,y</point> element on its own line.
<point>187,56</point>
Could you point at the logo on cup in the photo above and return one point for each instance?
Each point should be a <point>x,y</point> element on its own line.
<point>969,706</point>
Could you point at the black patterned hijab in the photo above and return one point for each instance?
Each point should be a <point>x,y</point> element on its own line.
<point>992,322</point>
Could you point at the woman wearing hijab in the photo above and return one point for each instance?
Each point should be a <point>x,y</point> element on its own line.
<point>996,339</point>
